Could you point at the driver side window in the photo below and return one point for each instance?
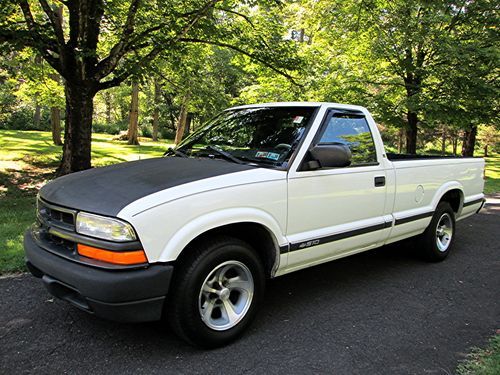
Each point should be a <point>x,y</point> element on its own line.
<point>352,131</point>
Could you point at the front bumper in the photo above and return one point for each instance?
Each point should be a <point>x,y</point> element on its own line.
<point>129,295</point>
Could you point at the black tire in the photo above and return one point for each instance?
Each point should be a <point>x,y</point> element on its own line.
<point>186,299</point>
<point>436,247</point>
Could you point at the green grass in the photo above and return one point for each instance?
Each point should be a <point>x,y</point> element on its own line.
<point>34,147</point>
<point>16,214</point>
<point>492,183</point>
<point>27,161</point>
<point>483,361</point>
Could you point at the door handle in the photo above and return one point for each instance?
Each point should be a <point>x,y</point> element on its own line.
<point>379,181</point>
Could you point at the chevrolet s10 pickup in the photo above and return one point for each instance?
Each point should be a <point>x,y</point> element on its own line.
<point>259,191</point>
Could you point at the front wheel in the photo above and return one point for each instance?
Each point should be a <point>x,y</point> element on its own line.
<point>216,292</point>
<point>437,239</point>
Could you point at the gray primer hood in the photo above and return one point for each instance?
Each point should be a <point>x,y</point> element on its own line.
<point>108,190</point>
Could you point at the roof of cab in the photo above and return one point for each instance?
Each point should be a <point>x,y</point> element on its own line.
<point>300,104</point>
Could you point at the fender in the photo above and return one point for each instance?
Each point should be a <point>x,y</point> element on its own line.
<point>448,186</point>
<point>217,219</point>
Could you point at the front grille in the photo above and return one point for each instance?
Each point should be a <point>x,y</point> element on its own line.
<point>51,215</point>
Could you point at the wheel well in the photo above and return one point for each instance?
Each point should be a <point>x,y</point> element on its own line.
<point>454,198</point>
<point>256,235</point>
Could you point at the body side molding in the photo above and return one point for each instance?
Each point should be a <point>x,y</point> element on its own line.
<point>294,246</point>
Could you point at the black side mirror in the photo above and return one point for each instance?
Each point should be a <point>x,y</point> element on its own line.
<point>329,156</point>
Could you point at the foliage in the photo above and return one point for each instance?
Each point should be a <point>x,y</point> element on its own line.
<point>113,128</point>
<point>437,61</point>
<point>489,138</point>
<point>22,119</point>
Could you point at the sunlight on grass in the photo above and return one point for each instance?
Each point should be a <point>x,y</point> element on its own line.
<point>16,215</point>
<point>492,183</point>
<point>37,147</point>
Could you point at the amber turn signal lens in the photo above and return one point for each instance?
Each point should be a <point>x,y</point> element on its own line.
<point>115,257</point>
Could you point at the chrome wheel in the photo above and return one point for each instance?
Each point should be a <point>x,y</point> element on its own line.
<point>226,295</point>
<point>444,232</point>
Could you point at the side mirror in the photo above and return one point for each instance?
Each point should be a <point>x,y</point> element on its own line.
<point>329,156</point>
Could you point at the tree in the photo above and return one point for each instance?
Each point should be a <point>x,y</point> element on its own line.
<point>489,137</point>
<point>197,82</point>
<point>133,119</point>
<point>39,84</point>
<point>136,33</point>
<point>181,123</point>
<point>417,64</point>
<point>156,109</point>
<point>409,36</point>
<point>38,109</point>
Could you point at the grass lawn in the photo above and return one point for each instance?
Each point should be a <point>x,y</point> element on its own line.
<point>483,361</point>
<point>492,183</point>
<point>27,161</point>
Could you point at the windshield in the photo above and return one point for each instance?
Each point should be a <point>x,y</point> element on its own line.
<point>262,135</point>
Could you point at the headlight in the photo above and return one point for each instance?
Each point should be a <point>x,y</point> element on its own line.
<point>104,227</point>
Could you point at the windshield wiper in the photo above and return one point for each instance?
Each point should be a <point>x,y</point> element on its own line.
<point>225,154</point>
<point>175,152</point>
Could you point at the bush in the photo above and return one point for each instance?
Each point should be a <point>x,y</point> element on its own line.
<point>114,128</point>
<point>167,133</point>
<point>22,119</point>
<point>146,131</point>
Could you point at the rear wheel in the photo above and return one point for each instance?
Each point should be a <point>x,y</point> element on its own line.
<point>216,292</point>
<point>437,239</point>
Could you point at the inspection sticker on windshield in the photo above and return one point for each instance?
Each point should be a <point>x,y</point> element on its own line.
<point>298,119</point>
<point>267,155</point>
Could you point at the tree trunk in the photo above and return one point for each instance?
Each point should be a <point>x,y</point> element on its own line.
<point>55,122</point>
<point>38,111</point>
<point>55,118</point>
<point>400,140</point>
<point>413,87</point>
<point>78,131</point>
<point>156,111</point>
<point>443,141</point>
<point>181,123</point>
<point>107,102</point>
<point>411,133</point>
<point>132,133</point>
<point>469,141</point>
<point>485,151</point>
<point>38,114</point>
<point>189,121</point>
<point>454,142</point>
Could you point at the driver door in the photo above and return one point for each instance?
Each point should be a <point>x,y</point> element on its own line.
<point>336,211</point>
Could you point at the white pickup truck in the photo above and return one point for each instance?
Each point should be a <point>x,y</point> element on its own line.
<point>260,191</point>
